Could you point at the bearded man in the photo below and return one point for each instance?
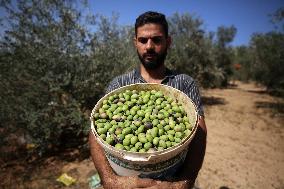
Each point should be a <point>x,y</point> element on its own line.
<point>152,42</point>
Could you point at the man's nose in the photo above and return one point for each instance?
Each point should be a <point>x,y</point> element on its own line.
<point>150,44</point>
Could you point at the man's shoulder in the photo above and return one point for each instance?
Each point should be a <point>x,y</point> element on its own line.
<point>126,76</point>
<point>121,80</point>
<point>182,77</point>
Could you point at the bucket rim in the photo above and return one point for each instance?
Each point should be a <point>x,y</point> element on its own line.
<point>142,156</point>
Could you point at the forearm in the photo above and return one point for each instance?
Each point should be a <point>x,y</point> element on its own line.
<point>109,178</point>
<point>100,161</point>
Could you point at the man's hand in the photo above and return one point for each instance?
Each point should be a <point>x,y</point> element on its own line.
<point>170,185</point>
<point>124,182</point>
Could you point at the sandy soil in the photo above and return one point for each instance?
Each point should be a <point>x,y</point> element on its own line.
<point>245,139</point>
<point>244,149</point>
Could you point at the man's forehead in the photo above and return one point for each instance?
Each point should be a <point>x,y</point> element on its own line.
<point>149,30</point>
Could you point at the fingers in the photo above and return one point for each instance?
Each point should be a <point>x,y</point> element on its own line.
<point>145,182</point>
<point>161,185</point>
<point>168,185</point>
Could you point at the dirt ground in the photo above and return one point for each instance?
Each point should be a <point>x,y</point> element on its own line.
<point>244,148</point>
<point>245,139</point>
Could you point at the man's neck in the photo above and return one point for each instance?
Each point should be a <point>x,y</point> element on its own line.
<point>153,76</point>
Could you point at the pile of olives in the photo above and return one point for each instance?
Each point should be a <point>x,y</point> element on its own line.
<point>141,121</point>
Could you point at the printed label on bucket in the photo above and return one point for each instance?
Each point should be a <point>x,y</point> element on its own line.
<point>147,167</point>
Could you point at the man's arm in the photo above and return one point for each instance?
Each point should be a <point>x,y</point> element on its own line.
<point>109,179</point>
<point>195,154</point>
<point>99,159</point>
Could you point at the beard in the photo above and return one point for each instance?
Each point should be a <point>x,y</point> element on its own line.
<point>152,65</point>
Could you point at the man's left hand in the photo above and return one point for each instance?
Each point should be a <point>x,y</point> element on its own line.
<point>170,185</point>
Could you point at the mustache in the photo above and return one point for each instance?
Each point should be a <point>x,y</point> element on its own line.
<point>150,52</point>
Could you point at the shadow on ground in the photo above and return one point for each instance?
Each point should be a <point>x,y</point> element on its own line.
<point>274,93</point>
<point>211,101</point>
<point>258,91</point>
<point>274,107</point>
<point>224,187</point>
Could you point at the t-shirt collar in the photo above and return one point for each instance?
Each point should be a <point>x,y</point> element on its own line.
<point>137,74</point>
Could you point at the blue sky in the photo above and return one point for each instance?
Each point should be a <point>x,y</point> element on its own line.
<point>248,16</point>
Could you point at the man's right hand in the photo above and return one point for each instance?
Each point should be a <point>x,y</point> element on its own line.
<point>127,182</point>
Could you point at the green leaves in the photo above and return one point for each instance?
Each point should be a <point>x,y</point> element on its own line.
<point>268,59</point>
<point>54,69</point>
<point>197,53</point>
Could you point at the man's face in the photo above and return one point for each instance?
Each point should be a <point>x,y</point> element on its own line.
<point>151,44</point>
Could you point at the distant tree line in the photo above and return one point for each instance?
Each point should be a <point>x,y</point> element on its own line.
<point>56,60</point>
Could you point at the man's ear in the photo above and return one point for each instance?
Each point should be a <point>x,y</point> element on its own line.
<point>135,42</point>
<point>169,41</point>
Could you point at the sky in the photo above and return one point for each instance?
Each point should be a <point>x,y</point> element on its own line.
<point>248,16</point>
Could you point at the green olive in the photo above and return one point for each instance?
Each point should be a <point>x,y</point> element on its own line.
<point>126,130</point>
<point>134,140</point>
<point>155,122</point>
<point>147,145</point>
<point>107,126</point>
<point>142,150</point>
<point>164,137</point>
<point>138,145</point>
<point>137,121</point>
<point>178,134</point>
<point>103,136</point>
<point>142,137</point>
<point>130,117</point>
<point>140,129</point>
<point>162,143</point>
<point>169,144</point>
<point>133,149</point>
<point>154,132</point>
<point>161,132</point>
<point>171,137</point>
<point>129,136</point>
<point>126,142</point>
<point>102,131</point>
<point>167,127</point>
<point>119,146</point>
<point>149,137</point>
<point>127,148</point>
<point>177,140</point>
<point>156,141</point>
<point>109,140</point>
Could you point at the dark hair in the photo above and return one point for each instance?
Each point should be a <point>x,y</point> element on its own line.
<point>152,17</point>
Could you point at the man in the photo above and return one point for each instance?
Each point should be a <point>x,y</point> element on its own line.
<point>152,42</point>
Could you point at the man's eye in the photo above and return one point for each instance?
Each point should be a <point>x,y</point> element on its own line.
<point>157,40</point>
<point>143,40</point>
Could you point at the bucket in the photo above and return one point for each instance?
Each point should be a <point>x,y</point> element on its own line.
<point>149,164</point>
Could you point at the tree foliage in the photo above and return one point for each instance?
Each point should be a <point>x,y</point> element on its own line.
<point>277,18</point>
<point>193,50</point>
<point>223,52</point>
<point>242,69</point>
<point>268,59</point>
<point>53,69</point>
<point>262,60</point>
<point>55,63</point>
<point>43,70</point>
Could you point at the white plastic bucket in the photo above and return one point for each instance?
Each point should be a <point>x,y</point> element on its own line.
<point>152,164</point>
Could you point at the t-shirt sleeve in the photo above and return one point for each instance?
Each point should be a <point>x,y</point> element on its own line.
<point>191,89</point>
<point>114,84</point>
